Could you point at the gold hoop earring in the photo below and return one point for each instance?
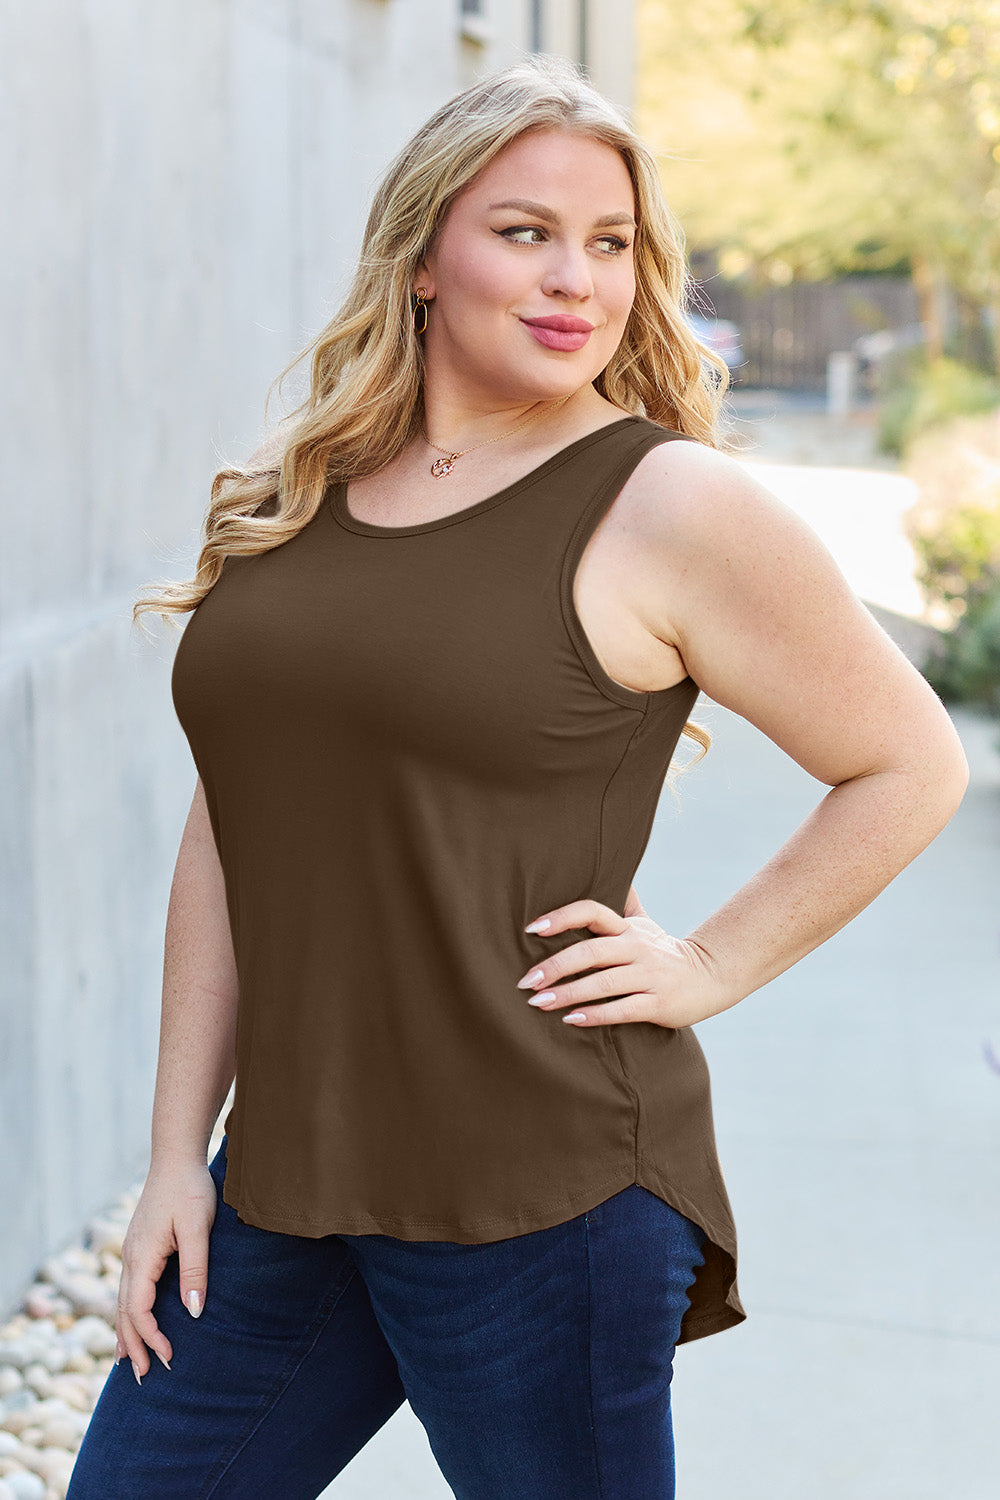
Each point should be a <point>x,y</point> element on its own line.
<point>420,323</point>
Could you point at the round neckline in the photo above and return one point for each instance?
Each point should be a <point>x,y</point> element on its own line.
<point>337,494</point>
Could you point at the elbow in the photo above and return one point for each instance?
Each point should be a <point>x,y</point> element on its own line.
<point>949,780</point>
<point>958,777</point>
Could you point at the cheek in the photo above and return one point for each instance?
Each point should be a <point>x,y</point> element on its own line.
<point>626,291</point>
<point>619,299</point>
<point>486,278</point>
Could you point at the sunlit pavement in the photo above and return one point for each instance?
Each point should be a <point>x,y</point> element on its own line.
<point>858,1126</point>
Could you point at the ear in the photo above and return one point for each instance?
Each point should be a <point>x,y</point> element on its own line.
<point>423,276</point>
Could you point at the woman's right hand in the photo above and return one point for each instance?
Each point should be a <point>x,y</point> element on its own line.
<point>176,1211</point>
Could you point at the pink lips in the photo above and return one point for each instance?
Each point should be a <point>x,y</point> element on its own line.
<point>560,332</point>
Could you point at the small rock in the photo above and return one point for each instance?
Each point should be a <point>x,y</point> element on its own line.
<point>40,1299</point>
<point>10,1380</point>
<point>95,1335</point>
<point>88,1293</point>
<point>26,1486</point>
<point>73,1258</point>
<point>107,1235</point>
<point>64,1434</point>
<point>74,1390</point>
<point>18,1409</point>
<point>39,1379</point>
<point>58,1422</point>
<point>53,1465</point>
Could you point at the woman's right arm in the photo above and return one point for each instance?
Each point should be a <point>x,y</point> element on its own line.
<point>195,1070</point>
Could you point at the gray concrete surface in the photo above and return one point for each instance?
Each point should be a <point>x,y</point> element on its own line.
<point>185,186</point>
<point>858,1126</point>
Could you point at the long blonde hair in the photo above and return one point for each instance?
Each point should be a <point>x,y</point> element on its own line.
<point>365,401</point>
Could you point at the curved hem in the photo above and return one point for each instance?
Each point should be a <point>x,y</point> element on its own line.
<point>379,1223</point>
<point>695,1324</point>
<point>727,1312</point>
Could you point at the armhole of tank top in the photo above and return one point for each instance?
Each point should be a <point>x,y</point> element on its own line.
<point>581,533</point>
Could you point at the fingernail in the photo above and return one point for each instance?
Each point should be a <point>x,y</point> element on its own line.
<point>539,926</point>
<point>161,1358</point>
<point>531,980</point>
<point>135,1372</point>
<point>577,1015</point>
<point>194,1304</point>
<point>542,999</point>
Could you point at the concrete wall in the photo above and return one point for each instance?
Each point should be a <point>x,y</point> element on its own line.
<point>186,183</point>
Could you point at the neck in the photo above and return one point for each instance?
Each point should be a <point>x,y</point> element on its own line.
<point>459,423</point>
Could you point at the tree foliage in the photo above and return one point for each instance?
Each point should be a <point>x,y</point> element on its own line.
<point>809,137</point>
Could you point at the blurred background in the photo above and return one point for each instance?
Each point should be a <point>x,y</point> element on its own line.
<point>186,185</point>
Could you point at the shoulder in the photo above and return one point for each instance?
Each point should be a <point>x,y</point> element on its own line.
<point>691,501</point>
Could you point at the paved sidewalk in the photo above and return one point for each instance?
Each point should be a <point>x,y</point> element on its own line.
<point>858,1126</point>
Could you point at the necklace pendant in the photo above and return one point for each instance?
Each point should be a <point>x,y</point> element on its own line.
<point>443,466</point>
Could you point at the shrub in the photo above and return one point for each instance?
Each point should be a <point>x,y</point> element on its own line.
<point>955,530</point>
<point>922,394</point>
<point>965,665</point>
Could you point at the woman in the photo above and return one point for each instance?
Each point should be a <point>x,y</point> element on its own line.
<point>442,653</point>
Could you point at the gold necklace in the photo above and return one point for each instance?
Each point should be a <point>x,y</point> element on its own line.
<point>442,466</point>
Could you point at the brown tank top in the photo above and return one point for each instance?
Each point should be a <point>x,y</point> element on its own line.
<point>409,751</point>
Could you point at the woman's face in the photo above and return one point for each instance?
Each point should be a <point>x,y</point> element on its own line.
<point>532,272</point>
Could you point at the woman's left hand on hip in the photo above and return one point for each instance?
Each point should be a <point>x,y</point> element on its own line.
<point>643,973</point>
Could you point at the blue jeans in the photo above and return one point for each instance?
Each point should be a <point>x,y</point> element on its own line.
<point>539,1365</point>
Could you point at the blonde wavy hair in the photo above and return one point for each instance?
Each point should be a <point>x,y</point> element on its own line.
<point>365,401</point>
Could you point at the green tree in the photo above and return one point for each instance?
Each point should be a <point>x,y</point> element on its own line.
<point>810,137</point>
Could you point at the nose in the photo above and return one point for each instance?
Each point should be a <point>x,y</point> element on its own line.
<point>568,273</point>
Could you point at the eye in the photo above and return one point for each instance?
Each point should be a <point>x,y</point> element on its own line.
<point>508,234</point>
<point>612,244</point>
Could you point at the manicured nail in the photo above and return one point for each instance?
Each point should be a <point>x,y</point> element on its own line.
<point>577,1015</point>
<point>543,998</point>
<point>135,1372</point>
<point>530,981</point>
<point>194,1304</point>
<point>539,926</point>
<point>161,1359</point>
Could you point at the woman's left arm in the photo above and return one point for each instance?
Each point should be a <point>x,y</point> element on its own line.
<point>768,627</point>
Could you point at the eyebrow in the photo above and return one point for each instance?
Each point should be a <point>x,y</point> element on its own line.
<point>539,211</point>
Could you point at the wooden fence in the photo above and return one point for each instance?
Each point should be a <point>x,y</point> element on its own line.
<point>788,332</point>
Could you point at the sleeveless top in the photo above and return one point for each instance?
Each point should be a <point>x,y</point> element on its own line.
<point>409,751</point>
